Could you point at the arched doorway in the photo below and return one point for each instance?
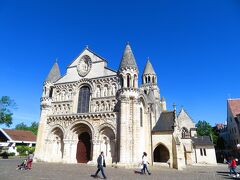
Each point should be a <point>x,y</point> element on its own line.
<point>107,144</point>
<point>55,146</point>
<point>82,134</point>
<point>83,148</point>
<point>161,154</point>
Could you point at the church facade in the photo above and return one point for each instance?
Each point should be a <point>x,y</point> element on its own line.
<point>93,108</point>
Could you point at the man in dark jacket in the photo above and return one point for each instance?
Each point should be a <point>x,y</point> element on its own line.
<point>100,165</point>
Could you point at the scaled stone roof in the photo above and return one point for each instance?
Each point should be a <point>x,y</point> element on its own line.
<point>165,122</point>
<point>151,97</point>
<point>128,59</point>
<point>234,105</point>
<point>202,141</point>
<point>149,69</point>
<point>20,135</point>
<point>54,73</point>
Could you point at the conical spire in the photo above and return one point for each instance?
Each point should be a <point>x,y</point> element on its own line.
<point>163,99</point>
<point>148,68</point>
<point>54,73</point>
<point>128,59</point>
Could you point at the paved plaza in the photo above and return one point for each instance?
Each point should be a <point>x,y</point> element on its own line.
<point>51,171</point>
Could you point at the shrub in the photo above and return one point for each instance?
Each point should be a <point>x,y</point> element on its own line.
<point>25,150</point>
<point>4,155</point>
<point>11,154</point>
<point>22,150</point>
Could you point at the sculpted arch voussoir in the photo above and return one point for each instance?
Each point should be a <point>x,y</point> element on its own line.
<point>107,125</point>
<point>55,126</point>
<point>69,129</point>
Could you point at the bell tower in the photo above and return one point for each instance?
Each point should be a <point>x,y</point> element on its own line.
<point>129,108</point>
<point>46,101</point>
<point>151,89</point>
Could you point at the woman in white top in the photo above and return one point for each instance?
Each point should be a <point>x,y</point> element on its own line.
<point>144,163</point>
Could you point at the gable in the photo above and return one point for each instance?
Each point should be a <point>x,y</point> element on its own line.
<point>94,57</point>
<point>87,65</point>
<point>234,106</point>
<point>184,120</point>
<point>4,137</point>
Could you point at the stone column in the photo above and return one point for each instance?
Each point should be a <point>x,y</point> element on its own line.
<point>73,151</point>
<point>137,149</point>
<point>41,136</point>
<point>113,149</point>
<point>124,118</point>
<point>95,150</point>
<point>66,151</point>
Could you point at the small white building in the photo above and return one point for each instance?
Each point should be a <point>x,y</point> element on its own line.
<point>11,138</point>
<point>204,150</point>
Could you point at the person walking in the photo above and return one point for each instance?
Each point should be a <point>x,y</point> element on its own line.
<point>144,163</point>
<point>232,167</point>
<point>100,164</point>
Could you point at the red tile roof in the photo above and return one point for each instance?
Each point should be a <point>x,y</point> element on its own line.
<point>20,135</point>
<point>234,105</point>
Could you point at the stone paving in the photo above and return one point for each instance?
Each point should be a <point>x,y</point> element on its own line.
<point>51,171</point>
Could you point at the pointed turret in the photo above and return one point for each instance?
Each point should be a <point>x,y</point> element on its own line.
<point>149,69</point>
<point>128,59</point>
<point>149,76</point>
<point>128,70</point>
<point>163,104</point>
<point>54,73</point>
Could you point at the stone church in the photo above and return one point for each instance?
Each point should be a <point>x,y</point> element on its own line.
<point>93,108</point>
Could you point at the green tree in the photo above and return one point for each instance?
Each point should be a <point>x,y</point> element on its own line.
<point>204,128</point>
<point>6,107</point>
<point>33,127</point>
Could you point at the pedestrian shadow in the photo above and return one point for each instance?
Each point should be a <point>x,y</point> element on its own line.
<point>93,175</point>
<point>224,174</point>
<point>137,172</point>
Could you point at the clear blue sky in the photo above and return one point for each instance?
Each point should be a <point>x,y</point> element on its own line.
<point>194,47</point>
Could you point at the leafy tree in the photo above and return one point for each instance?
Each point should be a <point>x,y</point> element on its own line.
<point>204,128</point>
<point>6,106</point>
<point>33,127</point>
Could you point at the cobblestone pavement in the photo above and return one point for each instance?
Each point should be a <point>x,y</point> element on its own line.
<point>51,171</point>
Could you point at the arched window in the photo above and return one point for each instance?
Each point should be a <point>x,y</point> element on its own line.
<point>149,79</point>
<point>45,91</point>
<point>135,81</point>
<point>141,117</point>
<point>83,100</point>
<point>128,80</point>
<point>51,92</point>
<point>153,79</point>
<point>145,79</point>
<point>121,81</point>
<point>185,133</point>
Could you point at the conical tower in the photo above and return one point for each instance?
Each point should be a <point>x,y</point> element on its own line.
<point>52,77</point>
<point>46,102</point>
<point>128,70</point>
<point>129,109</point>
<point>149,76</point>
